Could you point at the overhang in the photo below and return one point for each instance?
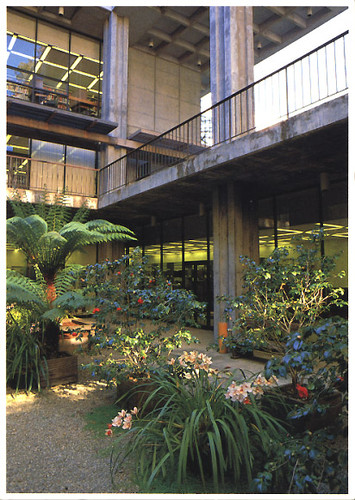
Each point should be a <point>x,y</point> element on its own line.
<point>285,157</point>
<point>56,125</point>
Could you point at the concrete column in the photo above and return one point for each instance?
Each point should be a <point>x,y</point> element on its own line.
<point>115,94</point>
<point>232,68</point>
<point>235,233</point>
<point>111,250</point>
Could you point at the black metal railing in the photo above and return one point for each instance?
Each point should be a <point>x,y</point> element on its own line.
<point>311,79</point>
<point>29,173</point>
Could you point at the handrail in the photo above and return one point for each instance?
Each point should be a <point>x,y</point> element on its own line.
<point>227,99</point>
<point>30,158</point>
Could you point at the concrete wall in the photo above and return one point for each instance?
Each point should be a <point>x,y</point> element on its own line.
<point>161,94</point>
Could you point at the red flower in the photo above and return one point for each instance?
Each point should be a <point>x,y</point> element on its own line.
<point>119,309</point>
<point>95,310</point>
<point>247,401</point>
<point>74,334</point>
<point>109,426</point>
<point>118,272</point>
<point>302,391</point>
<point>140,300</point>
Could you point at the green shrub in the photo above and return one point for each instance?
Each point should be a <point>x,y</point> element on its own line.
<point>138,315</point>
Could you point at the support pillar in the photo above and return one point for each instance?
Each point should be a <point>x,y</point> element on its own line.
<point>232,68</point>
<point>235,233</point>
<point>115,91</point>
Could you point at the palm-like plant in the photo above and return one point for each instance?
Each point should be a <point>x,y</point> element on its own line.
<point>48,236</point>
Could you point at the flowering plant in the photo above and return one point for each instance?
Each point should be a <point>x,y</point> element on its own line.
<point>317,361</point>
<point>284,293</point>
<point>123,419</point>
<point>139,317</point>
<point>193,427</point>
<point>254,387</point>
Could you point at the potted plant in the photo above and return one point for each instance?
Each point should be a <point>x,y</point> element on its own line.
<point>47,237</point>
<point>238,344</point>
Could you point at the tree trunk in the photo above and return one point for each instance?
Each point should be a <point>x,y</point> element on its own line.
<point>52,328</point>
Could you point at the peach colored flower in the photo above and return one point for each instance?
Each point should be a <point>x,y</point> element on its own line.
<point>127,423</point>
<point>135,411</point>
<point>117,421</point>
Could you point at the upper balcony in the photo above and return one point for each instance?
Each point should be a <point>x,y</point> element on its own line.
<point>293,101</point>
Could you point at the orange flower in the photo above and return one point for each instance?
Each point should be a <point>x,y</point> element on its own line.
<point>95,310</point>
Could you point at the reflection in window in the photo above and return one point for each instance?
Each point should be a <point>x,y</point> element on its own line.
<point>48,151</point>
<point>53,76</point>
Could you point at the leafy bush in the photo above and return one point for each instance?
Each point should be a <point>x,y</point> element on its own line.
<point>196,427</point>
<point>306,463</point>
<point>283,293</point>
<point>138,316</point>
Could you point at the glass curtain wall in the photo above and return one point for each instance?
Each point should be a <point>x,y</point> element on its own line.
<point>49,65</point>
<point>182,248</point>
<point>35,164</point>
<point>296,214</point>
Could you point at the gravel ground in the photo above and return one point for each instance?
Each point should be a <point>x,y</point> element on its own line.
<point>48,448</point>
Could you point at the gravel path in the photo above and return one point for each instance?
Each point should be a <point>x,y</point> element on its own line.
<point>48,448</point>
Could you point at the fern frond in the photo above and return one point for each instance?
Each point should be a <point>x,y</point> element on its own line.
<point>66,278</point>
<point>82,214</point>
<point>20,205</point>
<point>23,291</point>
<point>68,302</point>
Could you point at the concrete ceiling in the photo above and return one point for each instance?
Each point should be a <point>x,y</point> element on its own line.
<point>181,34</point>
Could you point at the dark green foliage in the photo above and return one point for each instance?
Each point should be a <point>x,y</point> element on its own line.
<point>309,462</point>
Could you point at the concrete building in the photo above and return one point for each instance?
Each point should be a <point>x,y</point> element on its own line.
<point>105,102</point>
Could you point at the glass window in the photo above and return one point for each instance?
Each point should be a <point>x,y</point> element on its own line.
<point>54,73</point>
<point>266,227</point>
<point>17,145</point>
<point>80,157</point>
<point>172,250</point>
<point>48,151</point>
<point>21,56</point>
<point>297,214</point>
<point>336,229</point>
